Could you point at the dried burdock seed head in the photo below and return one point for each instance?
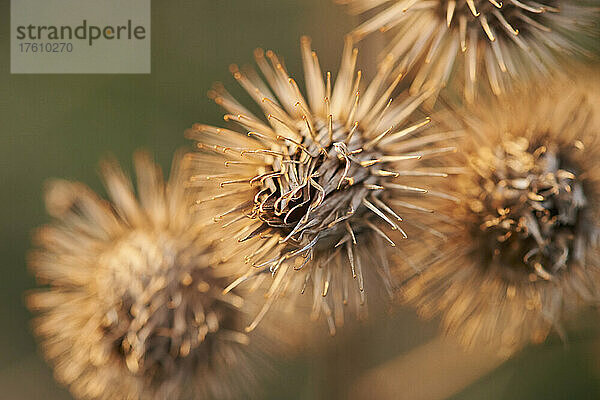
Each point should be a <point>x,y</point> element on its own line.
<point>134,307</point>
<point>316,192</point>
<point>522,245</point>
<point>511,40</point>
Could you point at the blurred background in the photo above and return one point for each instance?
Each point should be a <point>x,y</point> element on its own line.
<point>61,125</point>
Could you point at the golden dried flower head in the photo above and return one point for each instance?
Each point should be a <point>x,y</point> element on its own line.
<point>521,248</point>
<point>509,39</point>
<point>134,307</point>
<point>314,191</point>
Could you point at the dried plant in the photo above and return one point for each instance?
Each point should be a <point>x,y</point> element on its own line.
<point>513,40</point>
<point>521,249</point>
<point>308,192</point>
<point>134,307</point>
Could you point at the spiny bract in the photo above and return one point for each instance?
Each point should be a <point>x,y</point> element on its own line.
<point>134,307</point>
<point>514,40</point>
<point>310,190</point>
<point>521,249</point>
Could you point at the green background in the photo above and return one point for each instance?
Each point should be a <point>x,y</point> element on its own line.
<point>61,125</point>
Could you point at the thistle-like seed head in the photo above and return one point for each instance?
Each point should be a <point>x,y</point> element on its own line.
<point>311,191</point>
<point>509,39</point>
<point>135,306</point>
<point>530,200</point>
<point>521,249</point>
